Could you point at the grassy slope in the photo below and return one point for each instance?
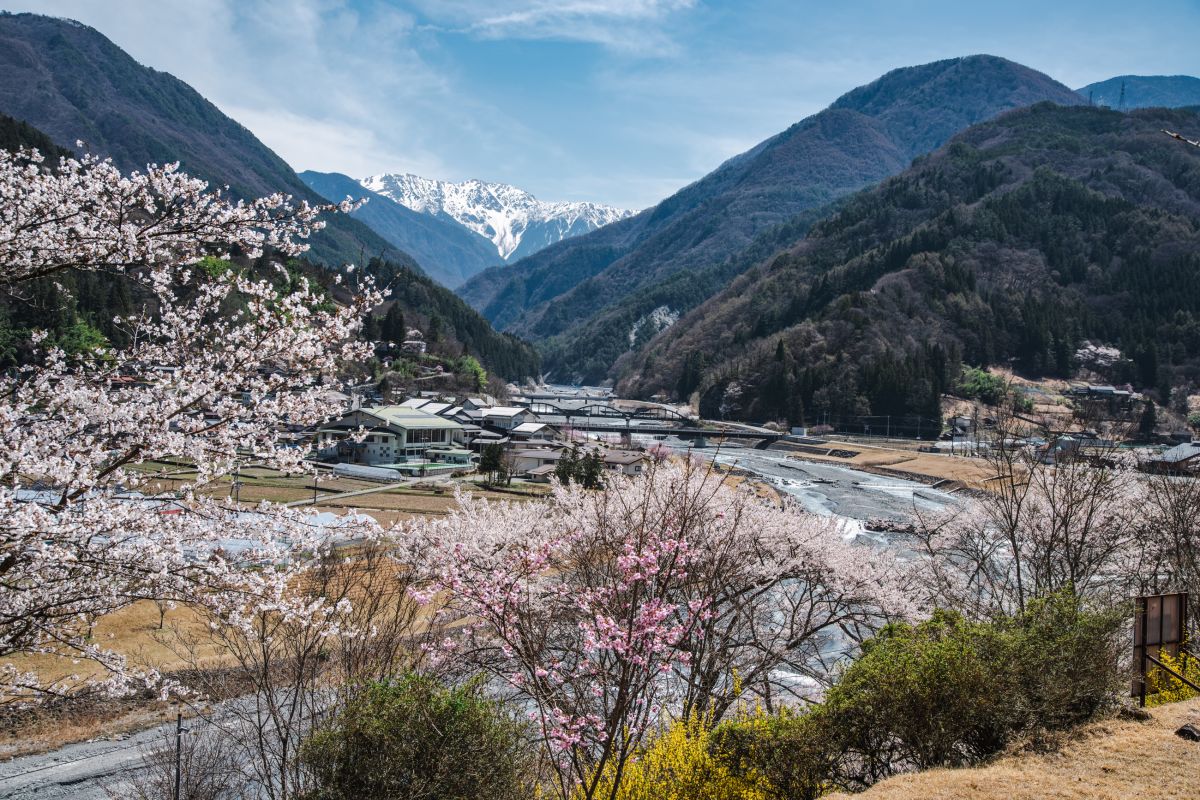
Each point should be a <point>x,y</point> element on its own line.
<point>1111,760</point>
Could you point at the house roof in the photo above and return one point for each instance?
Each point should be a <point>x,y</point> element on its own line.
<point>416,402</point>
<point>530,427</point>
<point>1181,452</point>
<point>549,455</point>
<point>403,416</point>
<point>504,411</point>
<point>544,469</point>
<point>435,408</point>
<point>623,457</point>
<point>480,440</point>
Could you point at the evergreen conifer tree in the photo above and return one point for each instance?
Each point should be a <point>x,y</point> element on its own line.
<point>1149,420</point>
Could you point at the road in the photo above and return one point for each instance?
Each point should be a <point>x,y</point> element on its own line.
<point>78,771</point>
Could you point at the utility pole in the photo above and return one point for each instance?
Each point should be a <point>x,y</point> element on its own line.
<point>178,752</point>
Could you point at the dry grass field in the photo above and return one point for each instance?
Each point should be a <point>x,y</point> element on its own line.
<point>935,466</point>
<point>134,632</point>
<point>1110,760</point>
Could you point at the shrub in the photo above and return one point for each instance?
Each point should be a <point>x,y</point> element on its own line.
<point>921,696</point>
<point>1165,688</point>
<point>788,754</point>
<point>1064,661</point>
<point>683,762</point>
<point>978,384</point>
<point>413,738</point>
<point>949,692</point>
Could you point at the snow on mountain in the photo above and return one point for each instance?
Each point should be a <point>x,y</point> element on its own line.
<point>513,220</point>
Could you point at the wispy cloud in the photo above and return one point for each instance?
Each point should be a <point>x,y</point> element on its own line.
<point>329,85</point>
<point>629,26</point>
<point>620,101</point>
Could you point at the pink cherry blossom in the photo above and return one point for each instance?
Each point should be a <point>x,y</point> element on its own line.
<point>604,609</point>
<point>85,532</point>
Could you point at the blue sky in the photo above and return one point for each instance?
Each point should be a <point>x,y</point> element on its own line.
<point>618,101</point>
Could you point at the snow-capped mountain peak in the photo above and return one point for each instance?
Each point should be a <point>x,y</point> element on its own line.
<point>516,222</point>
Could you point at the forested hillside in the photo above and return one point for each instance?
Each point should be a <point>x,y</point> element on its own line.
<point>1014,244</point>
<point>581,299</point>
<point>440,314</point>
<point>72,83</point>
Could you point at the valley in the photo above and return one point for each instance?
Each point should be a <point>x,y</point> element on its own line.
<point>799,404</point>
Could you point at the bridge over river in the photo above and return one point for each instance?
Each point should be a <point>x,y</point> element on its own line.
<point>645,421</point>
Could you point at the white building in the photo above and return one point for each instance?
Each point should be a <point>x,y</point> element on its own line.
<point>394,435</point>
<point>507,417</point>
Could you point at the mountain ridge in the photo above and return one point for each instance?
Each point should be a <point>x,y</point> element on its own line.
<point>1013,244</point>
<point>73,83</point>
<point>1144,91</point>
<point>570,296</point>
<point>446,251</point>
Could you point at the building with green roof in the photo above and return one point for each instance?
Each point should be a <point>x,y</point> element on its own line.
<point>392,435</point>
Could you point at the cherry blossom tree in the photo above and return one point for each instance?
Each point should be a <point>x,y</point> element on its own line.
<point>788,594</point>
<point>1053,519</point>
<point>604,610</point>
<point>219,362</point>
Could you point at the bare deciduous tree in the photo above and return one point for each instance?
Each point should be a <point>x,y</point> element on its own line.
<point>350,621</point>
<point>207,765</point>
<point>1057,517</point>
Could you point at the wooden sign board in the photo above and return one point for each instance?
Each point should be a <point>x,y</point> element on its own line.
<point>1159,625</point>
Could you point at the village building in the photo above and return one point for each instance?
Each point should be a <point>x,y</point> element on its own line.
<point>395,435</point>
<point>414,343</point>
<point>1178,460</point>
<point>507,417</point>
<point>1103,400</point>
<point>527,431</point>
<point>626,462</point>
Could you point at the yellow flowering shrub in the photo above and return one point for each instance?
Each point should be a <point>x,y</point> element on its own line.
<point>682,763</point>
<point>1164,687</point>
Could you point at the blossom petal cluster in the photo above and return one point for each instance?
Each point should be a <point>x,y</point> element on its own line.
<point>220,369</point>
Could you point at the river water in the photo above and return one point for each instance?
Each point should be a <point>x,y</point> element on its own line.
<point>829,489</point>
